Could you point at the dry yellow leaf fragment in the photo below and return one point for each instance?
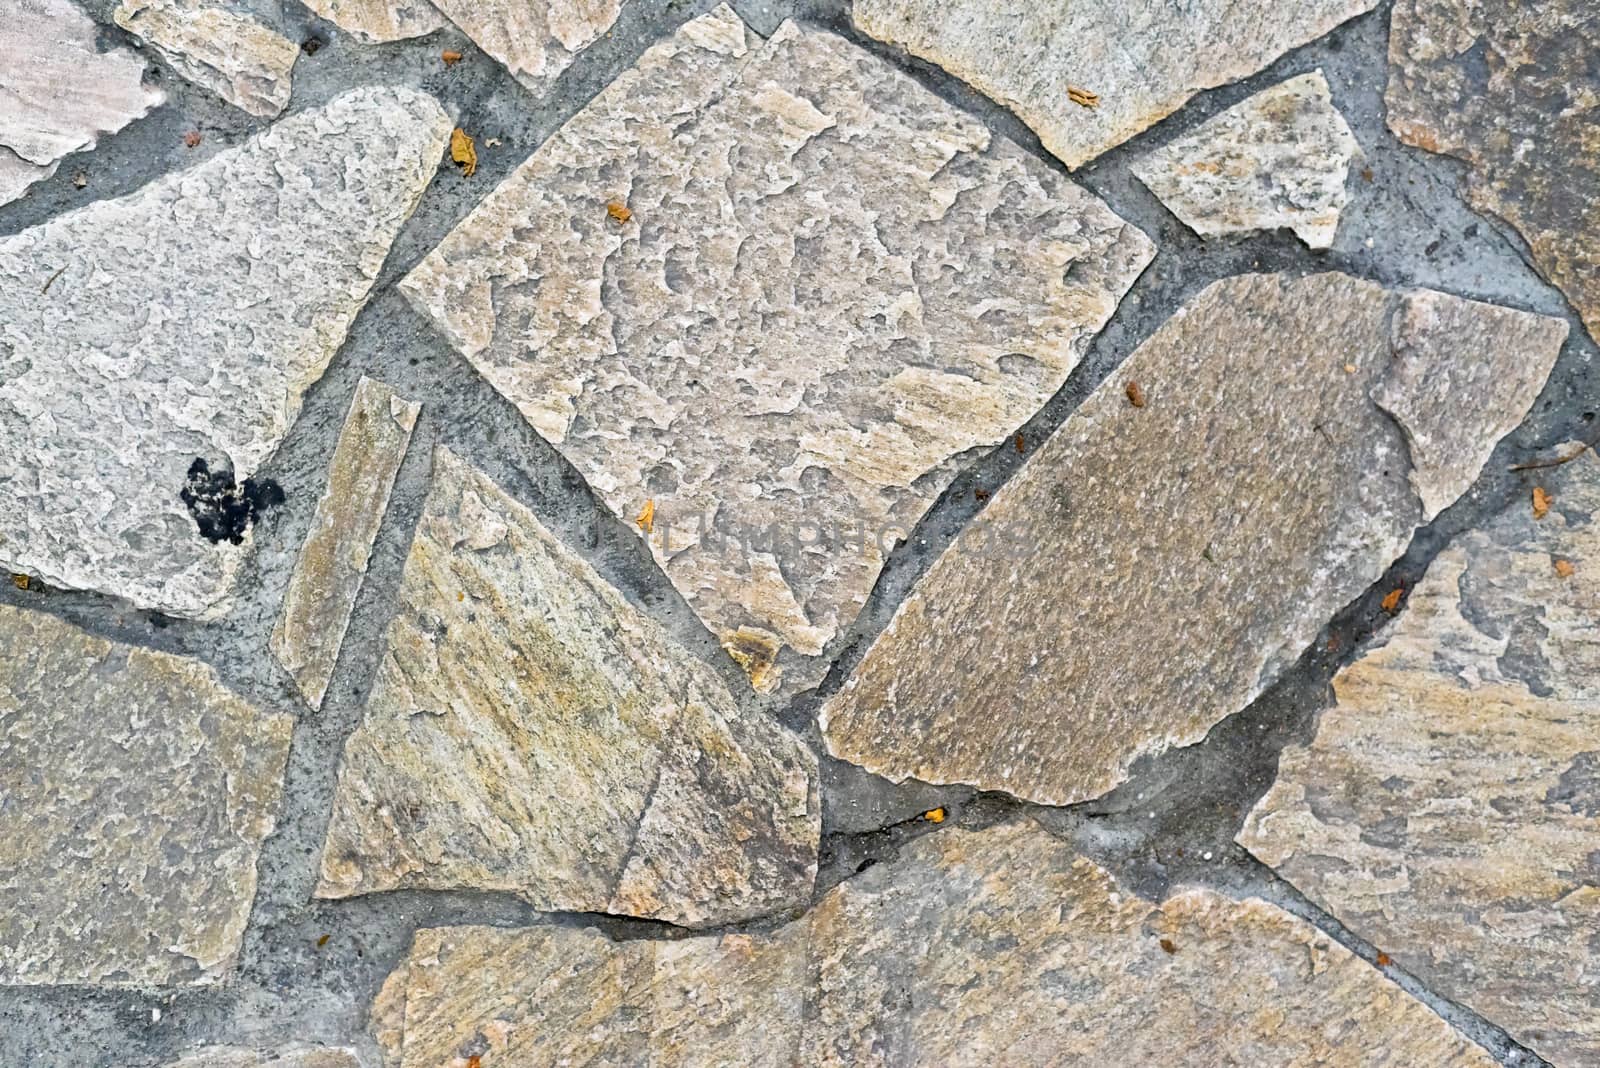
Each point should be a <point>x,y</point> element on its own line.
<point>619,211</point>
<point>1083,97</point>
<point>1565,568</point>
<point>463,151</point>
<point>647,516</point>
<point>934,815</point>
<point>1391,600</point>
<point>1541,502</point>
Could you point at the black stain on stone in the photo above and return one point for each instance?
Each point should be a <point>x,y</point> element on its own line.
<point>222,508</point>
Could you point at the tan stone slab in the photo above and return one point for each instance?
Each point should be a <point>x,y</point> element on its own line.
<point>118,372</point>
<point>1150,570</point>
<point>530,731</point>
<point>1511,88</point>
<point>1276,159</point>
<point>1448,809</point>
<point>970,948</point>
<point>380,21</point>
<point>58,92</point>
<point>535,39</point>
<point>828,289</point>
<point>232,55</point>
<point>17,174</point>
<point>136,791</point>
<point>1139,60</point>
<point>333,561</point>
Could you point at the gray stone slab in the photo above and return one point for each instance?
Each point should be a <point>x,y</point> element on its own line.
<point>1448,808</point>
<point>530,731</point>
<point>1276,159</point>
<point>970,948</point>
<point>333,561</point>
<point>825,290</point>
<point>1139,60</point>
<point>118,373</point>
<point>292,1056</point>
<point>1510,88</point>
<point>1151,570</point>
<point>231,54</point>
<point>136,791</point>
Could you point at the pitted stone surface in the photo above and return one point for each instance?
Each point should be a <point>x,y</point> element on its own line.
<point>294,1056</point>
<point>1448,809</point>
<point>230,54</point>
<point>1511,88</point>
<point>535,39</point>
<point>1150,570</point>
<point>136,793</point>
<point>333,561</point>
<point>971,948</point>
<point>531,731</point>
<point>58,92</point>
<point>830,287</point>
<point>380,21</point>
<point>117,372</point>
<point>1278,158</point>
<point>1143,60</point>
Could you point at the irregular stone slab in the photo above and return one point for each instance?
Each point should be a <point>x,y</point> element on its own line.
<point>1510,88</point>
<point>294,1056</point>
<point>58,93</point>
<point>1150,570</point>
<point>333,561</point>
<point>531,731</point>
<point>118,372</point>
<point>1447,809</point>
<point>137,790</point>
<point>232,55</point>
<point>971,948</point>
<point>1279,158</point>
<point>827,287</point>
<point>380,21</point>
<point>535,39</point>
<point>1143,60</point>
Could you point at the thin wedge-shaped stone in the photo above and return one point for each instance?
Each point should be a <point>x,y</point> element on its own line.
<point>1088,75</point>
<point>530,731</point>
<point>230,54</point>
<point>535,39</point>
<point>333,561</point>
<point>780,317</point>
<point>1448,809</point>
<point>1278,159</point>
<point>126,387</point>
<point>136,792</point>
<point>1152,569</point>
<point>970,948</point>
<point>380,21</point>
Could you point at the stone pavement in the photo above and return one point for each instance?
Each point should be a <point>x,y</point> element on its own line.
<point>798,533</point>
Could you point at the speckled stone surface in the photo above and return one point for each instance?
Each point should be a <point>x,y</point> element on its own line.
<point>118,373</point>
<point>1278,158</point>
<point>535,39</point>
<point>1448,809</point>
<point>829,289</point>
<point>380,21</point>
<point>294,1056</point>
<point>531,731</point>
<point>136,793</point>
<point>1265,483</point>
<point>971,948</point>
<point>1142,60</point>
<point>231,54</point>
<point>1511,88</point>
<point>333,561</point>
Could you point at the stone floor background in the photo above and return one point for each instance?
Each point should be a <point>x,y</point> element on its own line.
<point>1174,820</point>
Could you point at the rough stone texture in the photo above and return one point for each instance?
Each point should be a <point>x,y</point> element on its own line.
<point>1511,88</point>
<point>117,372</point>
<point>1278,158</point>
<point>831,288</point>
<point>57,92</point>
<point>294,1056</point>
<point>971,948</point>
<point>380,21</point>
<point>1447,809</point>
<point>531,731</point>
<point>1151,570</point>
<point>1144,59</point>
<point>322,591</point>
<point>232,55</point>
<point>535,39</point>
<point>136,792</point>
